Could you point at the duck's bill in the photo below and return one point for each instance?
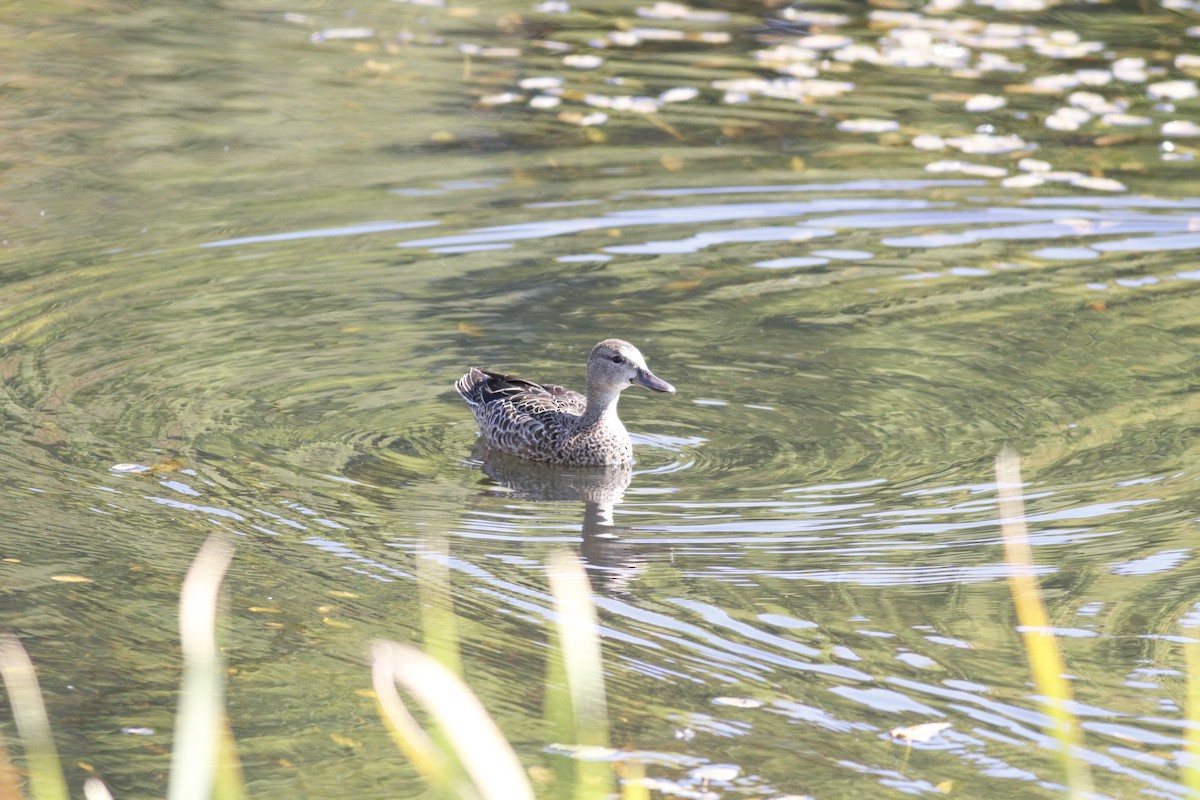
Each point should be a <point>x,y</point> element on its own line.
<point>652,382</point>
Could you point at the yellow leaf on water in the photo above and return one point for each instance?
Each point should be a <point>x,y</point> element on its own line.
<point>797,164</point>
<point>263,610</point>
<point>345,741</point>
<point>919,733</point>
<point>469,329</point>
<point>671,164</point>
<point>71,578</point>
<point>945,787</point>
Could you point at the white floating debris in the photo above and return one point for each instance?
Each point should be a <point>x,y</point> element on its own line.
<point>584,120</point>
<point>545,101</point>
<point>1055,83</point>
<point>981,170</point>
<point>984,102</point>
<point>1094,77</point>
<point>784,54</point>
<point>1187,61</point>
<point>1181,127</point>
<point>825,41</point>
<point>996,62</point>
<point>582,61</point>
<point>541,83</point>
<point>664,10</point>
<point>929,142</point>
<point>1034,165</point>
<point>918,733</point>
<point>866,125</point>
<point>680,94</point>
<point>1099,184</point>
<point>737,702</point>
<point>1093,103</point>
<point>988,144</point>
<point>1130,70</point>
<point>333,34</point>
<point>1125,120</point>
<point>499,99</point>
<point>553,7</point>
<point>817,19</point>
<point>1025,180</point>
<point>129,468</point>
<point>1067,119</point>
<point>721,773</point>
<point>1173,90</point>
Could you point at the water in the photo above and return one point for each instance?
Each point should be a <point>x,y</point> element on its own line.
<point>254,260</point>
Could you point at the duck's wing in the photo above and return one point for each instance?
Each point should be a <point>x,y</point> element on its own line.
<point>481,387</point>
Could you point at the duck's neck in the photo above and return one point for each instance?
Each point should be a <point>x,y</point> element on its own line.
<point>601,405</point>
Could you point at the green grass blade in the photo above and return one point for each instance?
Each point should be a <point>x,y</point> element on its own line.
<point>1045,660</point>
<point>438,621</point>
<point>200,718</point>
<point>583,669</point>
<point>45,772</point>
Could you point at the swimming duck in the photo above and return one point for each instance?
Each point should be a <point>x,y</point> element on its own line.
<point>544,422</point>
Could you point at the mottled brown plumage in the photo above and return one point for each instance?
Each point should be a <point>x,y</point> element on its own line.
<point>545,422</point>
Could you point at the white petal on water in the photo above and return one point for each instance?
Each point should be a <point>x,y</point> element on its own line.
<point>582,61</point>
<point>1034,165</point>
<point>1094,77</point>
<point>1130,70</point>
<point>1181,128</point>
<point>988,144</point>
<point>665,10</point>
<point>129,468</point>
<point>1173,90</point>
<point>499,99</point>
<point>1099,184</point>
<point>822,19</point>
<point>716,772</point>
<point>825,41</point>
<point>984,102</point>
<point>1055,83</point>
<point>1125,120</point>
<point>1093,103</point>
<point>542,83</point>
<point>679,94</point>
<point>1025,180</point>
<point>1067,119</point>
<point>331,34</point>
<point>867,125</point>
<point>544,101</point>
<point>928,142</point>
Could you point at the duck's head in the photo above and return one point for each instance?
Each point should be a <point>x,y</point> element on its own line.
<point>616,365</point>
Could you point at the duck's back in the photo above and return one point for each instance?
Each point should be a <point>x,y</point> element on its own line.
<point>527,419</point>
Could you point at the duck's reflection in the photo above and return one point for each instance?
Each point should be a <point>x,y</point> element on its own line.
<point>612,564</point>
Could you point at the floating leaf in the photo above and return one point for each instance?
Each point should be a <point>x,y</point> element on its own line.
<point>919,733</point>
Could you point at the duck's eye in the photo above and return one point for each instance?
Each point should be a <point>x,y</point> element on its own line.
<point>618,360</point>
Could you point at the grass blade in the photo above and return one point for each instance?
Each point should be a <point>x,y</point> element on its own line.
<point>29,712</point>
<point>582,669</point>
<point>1045,660</point>
<point>200,720</point>
<point>478,744</point>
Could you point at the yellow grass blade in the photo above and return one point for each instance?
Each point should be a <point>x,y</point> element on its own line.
<point>45,772</point>
<point>1045,660</point>
<point>478,744</point>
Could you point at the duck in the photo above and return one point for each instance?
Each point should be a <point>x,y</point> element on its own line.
<point>549,423</point>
